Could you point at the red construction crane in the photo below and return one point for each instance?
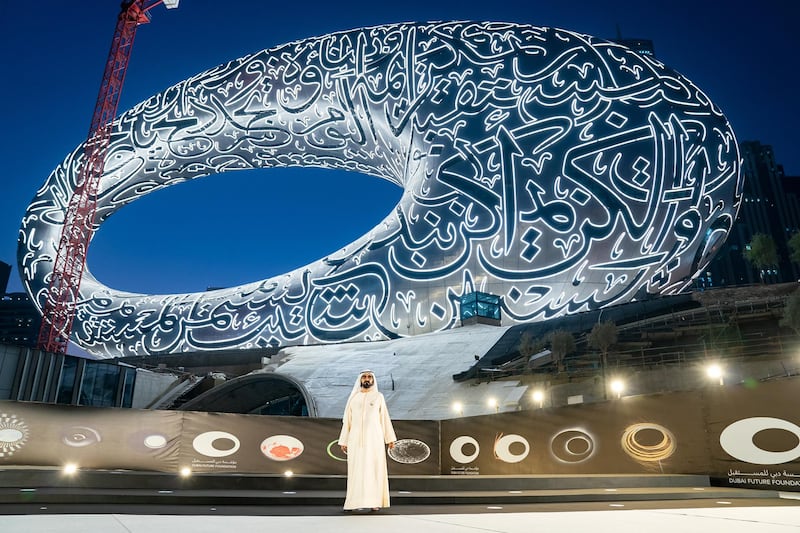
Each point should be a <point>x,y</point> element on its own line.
<point>62,295</point>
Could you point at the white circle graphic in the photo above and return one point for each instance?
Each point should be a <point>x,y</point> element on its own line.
<point>204,443</point>
<point>737,440</point>
<point>409,451</point>
<point>80,436</point>
<point>155,441</point>
<point>502,448</point>
<point>457,447</point>
<point>568,445</point>
<point>10,435</point>
<point>572,446</point>
<point>13,434</point>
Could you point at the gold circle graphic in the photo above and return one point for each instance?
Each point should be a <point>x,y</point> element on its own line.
<point>648,452</point>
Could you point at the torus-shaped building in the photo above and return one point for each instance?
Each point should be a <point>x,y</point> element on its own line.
<point>556,171</point>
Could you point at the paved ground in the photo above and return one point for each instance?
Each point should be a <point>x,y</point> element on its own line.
<point>700,516</point>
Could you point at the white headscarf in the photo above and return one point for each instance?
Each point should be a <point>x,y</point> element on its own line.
<point>357,386</point>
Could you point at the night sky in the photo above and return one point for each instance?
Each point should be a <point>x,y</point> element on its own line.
<point>245,226</point>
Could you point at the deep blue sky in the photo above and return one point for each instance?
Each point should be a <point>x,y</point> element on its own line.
<point>244,226</point>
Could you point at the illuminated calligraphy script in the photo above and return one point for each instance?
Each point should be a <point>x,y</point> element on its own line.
<point>558,171</point>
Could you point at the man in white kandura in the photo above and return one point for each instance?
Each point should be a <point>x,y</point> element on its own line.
<point>366,427</point>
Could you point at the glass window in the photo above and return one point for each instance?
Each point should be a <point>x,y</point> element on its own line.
<point>127,388</point>
<point>480,304</point>
<point>66,384</point>
<point>99,384</point>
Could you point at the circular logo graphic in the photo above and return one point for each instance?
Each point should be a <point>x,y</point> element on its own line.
<point>206,443</point>
<point>13,434</point>
<point>155,441</point>
<point>409,451</point>
<point>334,445</point>
<point>633,443</point>
<point>737,440</point>
<point>502,448</point>
<point>572,446</point>
<point>80,436</point>
<point>457,449</point>
<point>281,447</point>
<point>147,440</point>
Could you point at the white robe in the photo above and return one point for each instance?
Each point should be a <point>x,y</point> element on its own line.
<point>366,429</point>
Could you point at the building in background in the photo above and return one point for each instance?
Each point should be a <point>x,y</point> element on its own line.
<point>643,47</point>
<point>29,374</point>
<point>770,206</point>
<point>19,319</point>
<point>5,274</point>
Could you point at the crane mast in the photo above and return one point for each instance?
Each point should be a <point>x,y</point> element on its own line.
<point>58,311</point>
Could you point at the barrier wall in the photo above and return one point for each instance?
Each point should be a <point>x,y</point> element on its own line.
<point>165,441</point>
<point>740,436</point>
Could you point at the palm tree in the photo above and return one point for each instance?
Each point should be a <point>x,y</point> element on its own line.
<point>761,253</point>
<point>562,343</point>
<point>529,346</point>
<point>602,337</point>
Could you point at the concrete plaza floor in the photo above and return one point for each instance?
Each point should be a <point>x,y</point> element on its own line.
<point>762,516</point>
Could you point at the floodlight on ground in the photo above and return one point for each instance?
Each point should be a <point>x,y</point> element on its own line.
<point>458,407</point>
<point>70,469</point>
<point>288,473</point>
<point>185,471</point>
<point>538,397</point>
<point>617,387</point>
<point>492,402</point>
<point>714,371</point>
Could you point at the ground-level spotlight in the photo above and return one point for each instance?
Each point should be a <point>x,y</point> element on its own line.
<point>288,473</point>
<point>70,469</point>
<point>185,471</point>
<point>458,407</point>
<point>538,397</point>
<point>714,371</point>
<point>617,387</point>
<point>492,402</point>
